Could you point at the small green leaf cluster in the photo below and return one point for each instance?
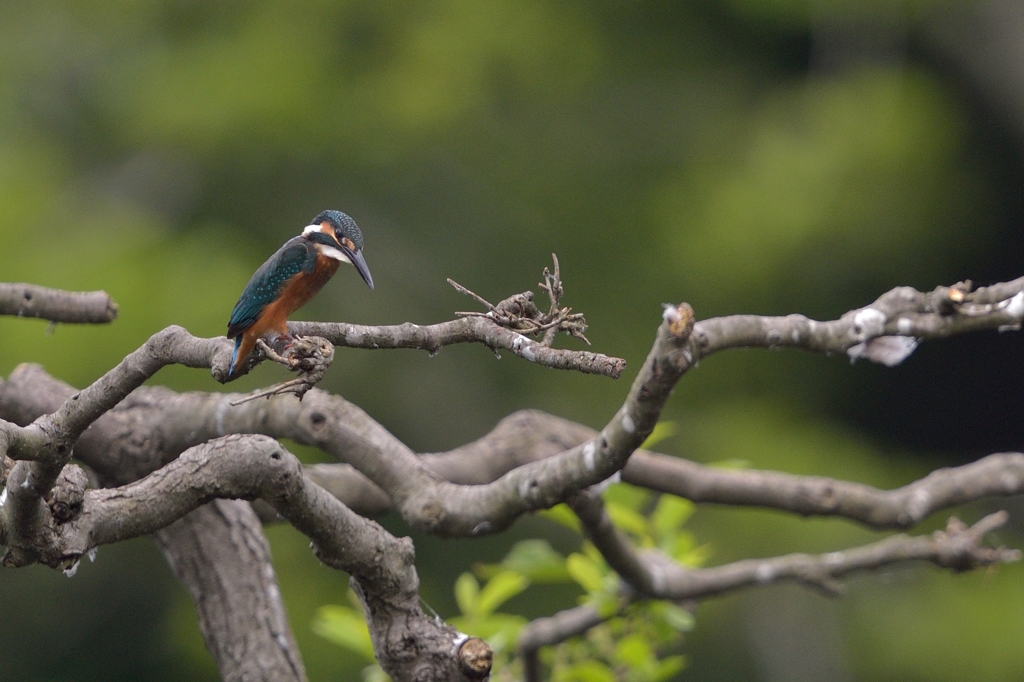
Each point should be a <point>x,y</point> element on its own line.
<point>636,641</point>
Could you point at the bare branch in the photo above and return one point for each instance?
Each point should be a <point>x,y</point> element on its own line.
<point>651,574</point>
<point>996,475</point>
<point>642,576</point>
<point>56,305</point>
<point>481,329</point>
<point>903,312</point>
<point>530,435</point>
<point>958,548</point>
<point>473,295</point>
<point>553,630</point>
<point>46,444</point>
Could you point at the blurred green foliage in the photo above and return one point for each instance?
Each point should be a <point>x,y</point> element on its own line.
<point>665,151</point>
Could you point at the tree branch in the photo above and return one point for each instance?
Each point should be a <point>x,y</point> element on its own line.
<point>651,574</point>
<point>654,575</point>
<point>474,329</point>
<point>120,447</point>
<point>552,630</point>
<point>221,555</point>
<point>869,332</point>
<point>29,300</point>
<point>409,645</point>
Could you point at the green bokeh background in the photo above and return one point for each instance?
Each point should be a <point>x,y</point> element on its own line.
<point>666,151</point>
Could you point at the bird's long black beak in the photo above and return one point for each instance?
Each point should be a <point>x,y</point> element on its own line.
<point>361,267</point>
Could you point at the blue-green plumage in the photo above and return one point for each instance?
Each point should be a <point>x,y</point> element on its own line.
<point>297,255</point>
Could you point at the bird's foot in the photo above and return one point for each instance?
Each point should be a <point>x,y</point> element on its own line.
<point>310,356</point>
<point>277,350</point>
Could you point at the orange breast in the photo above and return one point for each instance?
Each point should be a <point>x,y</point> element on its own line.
<point>296,293</point>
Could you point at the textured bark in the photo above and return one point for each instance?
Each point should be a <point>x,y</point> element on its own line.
<point>483,330</point>
<point>30,300</point>
<point>220,554</point>
<point>410,646</point>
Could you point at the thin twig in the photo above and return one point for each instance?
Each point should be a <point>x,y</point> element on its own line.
<point>463,290</point>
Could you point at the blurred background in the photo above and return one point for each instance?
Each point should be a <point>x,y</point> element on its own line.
<point>754,156</point>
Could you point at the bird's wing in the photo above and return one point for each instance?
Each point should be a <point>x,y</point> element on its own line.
<point>295,256</point>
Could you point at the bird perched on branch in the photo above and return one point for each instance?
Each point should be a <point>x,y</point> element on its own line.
<point>291,277</point>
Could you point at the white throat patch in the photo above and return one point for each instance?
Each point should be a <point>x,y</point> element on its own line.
<point>332,252</point>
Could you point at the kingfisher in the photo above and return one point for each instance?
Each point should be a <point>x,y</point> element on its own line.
<point>291,277</point>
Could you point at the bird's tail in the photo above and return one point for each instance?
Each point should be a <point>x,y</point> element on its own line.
<point>234,356</point>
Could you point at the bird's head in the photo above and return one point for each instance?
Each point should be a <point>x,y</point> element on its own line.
<point>337,236</point>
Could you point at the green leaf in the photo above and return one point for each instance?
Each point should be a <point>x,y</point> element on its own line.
<point>344,626</point>
<point>498,590</point>
<point>670,513</point>
<point>561,514</point>
<point>633,651</point>
<point>628,520</point>
<point>627,495</point>
<point>537,561</point>
<point>698,556</point>
<point>593,553</point>
<point>668,668</point>
<point>662,430</point>
<point>585,571</point>
<point>499,629</point>
<point>467,590</point>
<point>679,618</point>
<point>607,605</point>
<point>678,545</point>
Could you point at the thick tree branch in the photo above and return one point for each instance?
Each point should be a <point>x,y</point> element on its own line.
<point>45,445</point>
<point>221,555</point>
<point>56,305</point>
<point>154,424</point>
<point>409,645</point>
